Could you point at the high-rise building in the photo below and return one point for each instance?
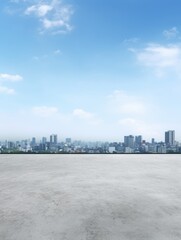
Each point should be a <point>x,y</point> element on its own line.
<point>53,139</point>
<point>68,140</point>
<point>138,140</point>
<point>170,137</point>
<point>129,141</point>
<point>33,142</point>
<point>44,140</point>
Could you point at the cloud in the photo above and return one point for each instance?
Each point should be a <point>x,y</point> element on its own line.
<point>127,121</point>
<point>44,111</point>
<point>9,77</point>
<point>17,1</point>
<point>122,103</point>
<point>136,127</point>
<point>171,33</point>
<point>53,23</point>
<point>55,53</point>
<point>162,59</point>
<point>90,118</point>
<point>53,15</point>
<point>39,10</point>
<point>160,56</point>
<point>82,114</point>
<point>4,77</point>
<point>6,90</point>
<point>131,40</point>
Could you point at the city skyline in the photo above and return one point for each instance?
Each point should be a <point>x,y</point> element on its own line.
<point>131,144</point>
<point>54,138</point>
<point>90,70</point>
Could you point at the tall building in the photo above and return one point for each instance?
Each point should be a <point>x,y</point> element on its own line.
<point>129,141</point>
<point>53,139</point>
<point>170,137</point>
<point>138,140</point>
<point>33,142</point>
<point>68,140</point>
<point>44,140</point>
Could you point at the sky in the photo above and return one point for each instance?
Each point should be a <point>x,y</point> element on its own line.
<point>90,69</point>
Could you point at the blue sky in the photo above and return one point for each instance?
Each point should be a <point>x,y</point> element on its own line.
<point>90,70</point>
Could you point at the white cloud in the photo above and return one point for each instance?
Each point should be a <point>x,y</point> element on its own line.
<point>40,58</point>
<point>171,33</point>
<point>88,117</point>
<point>131,40</point>
<point>82,114</point>
<point>44,111</point>
<point>6,90</point>
<point>54,15</point>
<point>127,121</point>
<point>52,23</point>
<point>4,77</point>
<point>44,57</point>
<point>18,1</point>
<point>39,10</point>
<point>162,59</point>
<point>121,102</point>
<point>9,77</point>
<point>160,56</point>
<point>137,127</point>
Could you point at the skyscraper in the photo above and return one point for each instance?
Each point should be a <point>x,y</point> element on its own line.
<point>33,142</point>
<point>129,141</point>
<point>53,139</point>
<point>68,140</point>
<point>138,140</point>
<point>44,140</point>
<point>170,137</point>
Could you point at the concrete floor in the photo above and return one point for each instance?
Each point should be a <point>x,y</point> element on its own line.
<point>90,197</point>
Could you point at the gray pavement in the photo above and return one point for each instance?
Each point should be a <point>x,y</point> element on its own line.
<point>90,197</point>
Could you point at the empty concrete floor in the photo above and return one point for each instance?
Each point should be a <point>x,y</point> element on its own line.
<point>90,197</point>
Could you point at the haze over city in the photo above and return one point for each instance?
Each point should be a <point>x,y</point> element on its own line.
<point>92,70</point>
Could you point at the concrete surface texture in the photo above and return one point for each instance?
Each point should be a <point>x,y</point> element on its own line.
<point>90,197</point>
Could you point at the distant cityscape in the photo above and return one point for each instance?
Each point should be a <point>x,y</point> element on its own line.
<point>131,144</point>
